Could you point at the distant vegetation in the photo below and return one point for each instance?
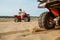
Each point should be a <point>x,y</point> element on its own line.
<point>6,16</point>
<point>13,17</point>
<point>33,16</point>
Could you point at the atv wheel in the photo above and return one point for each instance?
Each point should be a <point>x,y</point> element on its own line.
<point>46,21</point>
<point>17,20</point>
<point>27,19</point>
<point>40,21</point>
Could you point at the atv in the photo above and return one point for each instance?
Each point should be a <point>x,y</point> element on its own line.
<point>24,16</point>
<point>51,18</point>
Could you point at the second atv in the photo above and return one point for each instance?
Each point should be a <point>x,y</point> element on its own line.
<point>25,17</point>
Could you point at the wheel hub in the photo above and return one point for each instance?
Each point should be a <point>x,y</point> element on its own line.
<point>57,20</point>
<point>50,22</point>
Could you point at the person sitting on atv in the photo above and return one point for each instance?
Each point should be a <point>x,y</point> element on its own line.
<point>20,12</point>
<point>22,16</point>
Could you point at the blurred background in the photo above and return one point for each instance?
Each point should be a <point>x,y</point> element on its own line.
<point>10,7</point>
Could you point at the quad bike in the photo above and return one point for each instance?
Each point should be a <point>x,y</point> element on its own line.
<point>24,16</point>
<point>50,19</point>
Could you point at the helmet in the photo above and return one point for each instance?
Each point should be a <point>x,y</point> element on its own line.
<point>20,9</point>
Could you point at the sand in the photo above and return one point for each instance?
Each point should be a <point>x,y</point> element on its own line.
<point>20,31</point>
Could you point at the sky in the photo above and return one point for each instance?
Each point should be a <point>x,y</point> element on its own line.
<point>10,7</point>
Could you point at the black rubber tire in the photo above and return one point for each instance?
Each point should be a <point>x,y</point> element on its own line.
<point>27,19</point>
<point>59,22</point>
<point>40,20</point>
<point>44,21</point>
<point>17,20</point>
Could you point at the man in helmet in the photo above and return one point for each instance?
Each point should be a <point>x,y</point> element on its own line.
<point>20,12</point>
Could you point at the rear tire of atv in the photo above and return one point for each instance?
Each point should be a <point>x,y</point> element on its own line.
<point>40,20</point>
<point>46,21</point>
<point>27,19</point>
<point>17,20</point>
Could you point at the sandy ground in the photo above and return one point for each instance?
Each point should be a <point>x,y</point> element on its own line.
<point>20,31</point>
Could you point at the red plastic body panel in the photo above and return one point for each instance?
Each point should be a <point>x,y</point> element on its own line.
<point>18,16</point>
<point>22,16</point>
<point>55,12</point>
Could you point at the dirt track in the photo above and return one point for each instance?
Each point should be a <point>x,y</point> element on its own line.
<point>20,31</point>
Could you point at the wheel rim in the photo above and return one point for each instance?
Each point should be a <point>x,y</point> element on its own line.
<point>26,19</point>
<point>50,22</point>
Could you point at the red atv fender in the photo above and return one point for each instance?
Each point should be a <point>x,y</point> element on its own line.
<point>24,15</point>
<point>55,12</point>
<point>18,16</point>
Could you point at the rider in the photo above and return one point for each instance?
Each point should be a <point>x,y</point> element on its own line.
<point>20,12</point>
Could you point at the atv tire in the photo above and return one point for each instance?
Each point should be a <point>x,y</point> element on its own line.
<point>17,20</point>
<point>27,18</point>
<point>46,20</point>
